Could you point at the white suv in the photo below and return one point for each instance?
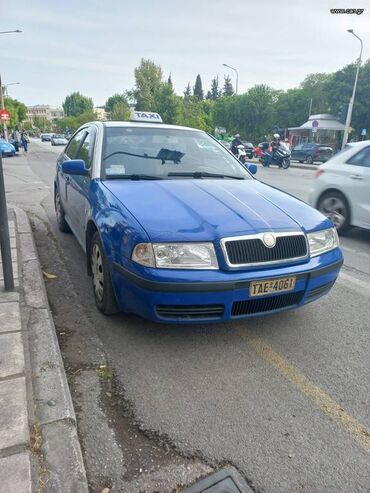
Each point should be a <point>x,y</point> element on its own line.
<point>341,189</point>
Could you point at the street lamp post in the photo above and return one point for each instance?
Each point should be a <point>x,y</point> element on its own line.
<point>237,76</point>
<point>6,255</point>
<point>10,84</point>
<point>351,101</point>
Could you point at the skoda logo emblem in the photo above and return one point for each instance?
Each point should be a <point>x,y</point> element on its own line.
<point>269,240</point>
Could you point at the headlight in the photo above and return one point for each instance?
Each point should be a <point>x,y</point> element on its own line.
<point>322,241</point>
<point>176,255</point>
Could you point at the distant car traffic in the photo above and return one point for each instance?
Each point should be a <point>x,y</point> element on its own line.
<point>176,229</point>
<point>45,137</point>
<point>58,140</point>
<point>341,190</point>
<point>310,153</point>
<point>6,148</point>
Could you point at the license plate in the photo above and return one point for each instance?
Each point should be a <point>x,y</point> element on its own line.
<point>268,286</point>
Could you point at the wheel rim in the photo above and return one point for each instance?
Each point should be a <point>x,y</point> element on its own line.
<point>97,272</point>
<point>58,208</point>
<point>335,209</point>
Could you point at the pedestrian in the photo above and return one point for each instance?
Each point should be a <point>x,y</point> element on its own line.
<point>24,140</point>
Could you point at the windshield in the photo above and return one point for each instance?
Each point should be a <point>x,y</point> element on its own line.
<point>164,153</point>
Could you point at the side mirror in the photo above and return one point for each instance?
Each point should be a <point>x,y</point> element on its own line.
<point>251,167</point>
<point>75,167</point>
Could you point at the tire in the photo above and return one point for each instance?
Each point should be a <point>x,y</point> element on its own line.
<point>105,299</point>
<point>60,214</point>
<point>242,159</point>
<point>301,162</point>
<point>309,160</point>
<point>285,163</point>
<point>334,205</point>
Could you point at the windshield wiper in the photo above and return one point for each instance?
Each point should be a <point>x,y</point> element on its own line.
<point>133,177</point>
<point>204,174</point>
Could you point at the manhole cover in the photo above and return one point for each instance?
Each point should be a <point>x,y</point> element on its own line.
<point>227,480</point>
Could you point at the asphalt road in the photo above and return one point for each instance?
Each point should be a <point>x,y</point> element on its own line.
<point>285,398</point>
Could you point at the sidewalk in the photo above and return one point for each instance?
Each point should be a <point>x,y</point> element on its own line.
<point>39,447</point>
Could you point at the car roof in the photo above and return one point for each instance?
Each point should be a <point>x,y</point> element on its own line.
<point>109,124</point>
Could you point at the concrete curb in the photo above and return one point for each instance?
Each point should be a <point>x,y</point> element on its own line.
<point>53,407</point>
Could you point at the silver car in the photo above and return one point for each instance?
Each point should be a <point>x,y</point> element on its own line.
<point>341,189</point>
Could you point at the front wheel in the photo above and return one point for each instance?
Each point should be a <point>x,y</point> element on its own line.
<point>104,296</point>
<point>334,206</point>
<point>242,159</point>
<point>285,163</point>
<point>309,160</point>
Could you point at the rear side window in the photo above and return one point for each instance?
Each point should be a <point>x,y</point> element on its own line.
<point>362,158</point>
<point>74,144</point>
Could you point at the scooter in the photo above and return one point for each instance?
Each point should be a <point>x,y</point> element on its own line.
<point>242,155</point>
<point>281,157</point>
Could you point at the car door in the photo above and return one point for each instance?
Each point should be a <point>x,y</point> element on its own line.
<point>297,152</point>
<point>79,188</point>
<point>359,187</point>
<point>70,152</point>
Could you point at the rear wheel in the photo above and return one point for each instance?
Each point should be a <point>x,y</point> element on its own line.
<point>59,211</point>
<point>309,160</point>
<point>102,285</point>
<point>334,206</point>
<point>285,163</point>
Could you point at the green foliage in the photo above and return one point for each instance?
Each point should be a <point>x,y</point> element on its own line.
<point>167,104</point>
<point>198,89</point>
<point>120,111</point>
<point>148,80</point>
<point>215,92</point>
<point>76,104</point>
<point>17,110</point>
<point>187,91</point>
<point>228,89</point>
<point>116,98</point>
<point>41,123</point>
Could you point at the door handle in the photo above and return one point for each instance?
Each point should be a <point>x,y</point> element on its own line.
<point>356,177</point>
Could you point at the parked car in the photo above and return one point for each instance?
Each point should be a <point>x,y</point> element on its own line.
<point>6,148</point>
<point>58,140</point>
<point>176,229</point>
<point>310,153</point>
<point>341,190</point>
<point>45,137</point>
<point>249,149</point>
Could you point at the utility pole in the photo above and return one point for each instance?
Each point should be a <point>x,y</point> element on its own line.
<point>352,100</point>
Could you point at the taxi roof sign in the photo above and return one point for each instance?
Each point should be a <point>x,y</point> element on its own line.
<point>145,116</point>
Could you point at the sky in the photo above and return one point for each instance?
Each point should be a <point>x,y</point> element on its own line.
<point>93,46</point>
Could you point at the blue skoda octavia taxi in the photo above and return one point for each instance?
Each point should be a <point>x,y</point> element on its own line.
<point>176,229</point>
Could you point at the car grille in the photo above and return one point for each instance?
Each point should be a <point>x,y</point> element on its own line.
<point>253,251</point>
<point>262,305</point>
<point>190,311</point>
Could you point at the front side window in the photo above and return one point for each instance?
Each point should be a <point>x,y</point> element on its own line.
<point>86,149</point>
<point>362,158</point>
<point>164,153</point>
<point>74,144</point>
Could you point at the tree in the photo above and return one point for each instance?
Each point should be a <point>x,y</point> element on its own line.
<point>75,104</point>
<point>148,79</point>
<point>198,89</point>
<point>215,91</point>
<point>167,104</point>
<point>187,92</point>
<point>228,89</point>
<point>169,81</point>
<point>17,110</point>
<point>112,100</point>
<point>41,123</point>
<point>120,111</point>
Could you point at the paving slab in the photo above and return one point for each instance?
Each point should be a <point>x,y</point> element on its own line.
<point>15,473</point>
<point>10,318</point>
<point>13,415</point>
<point>11,354</point>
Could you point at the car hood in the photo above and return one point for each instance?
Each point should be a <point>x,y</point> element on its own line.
<point>205,210</point>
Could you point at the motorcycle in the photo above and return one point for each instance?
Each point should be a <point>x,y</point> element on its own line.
<point>281,157</point>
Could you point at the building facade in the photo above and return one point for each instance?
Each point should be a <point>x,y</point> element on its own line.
<point>46,111</point>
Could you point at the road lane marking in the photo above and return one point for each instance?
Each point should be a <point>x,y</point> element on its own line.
<point>358,284</point>
<point>314,393</point>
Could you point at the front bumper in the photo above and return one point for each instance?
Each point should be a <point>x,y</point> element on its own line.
<point>219,296</point>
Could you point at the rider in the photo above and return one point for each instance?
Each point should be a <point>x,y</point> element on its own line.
<point>235,143</point>
<point>275,144</point>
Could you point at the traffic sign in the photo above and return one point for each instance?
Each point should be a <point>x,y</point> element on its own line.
<point>4,115</point>
<point>363,131</point>
<point>315,124</point>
